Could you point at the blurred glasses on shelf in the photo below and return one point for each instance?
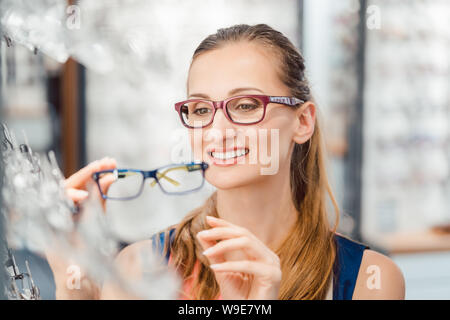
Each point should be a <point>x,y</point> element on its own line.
<point>173,179</point>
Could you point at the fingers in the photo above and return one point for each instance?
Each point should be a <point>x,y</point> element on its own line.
<point>106,181</point>
<point>208,238</point>
<point>253,249</point>
<point>255,268</point>
<point>79,179</point>
<point>221,233</point>
<point>247,258</point>
<point>224,230</point>
<point>77,195</point>
<point>217,222</point>
<point>206,244</point>
<point>83,177</point>
<point>234,238</point>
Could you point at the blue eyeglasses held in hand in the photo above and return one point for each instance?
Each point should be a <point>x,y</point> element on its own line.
<point>173,179</point>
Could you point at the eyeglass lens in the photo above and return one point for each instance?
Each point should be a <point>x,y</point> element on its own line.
<point>180,179</point>
<point>126,184</point>
<point>243,110</point>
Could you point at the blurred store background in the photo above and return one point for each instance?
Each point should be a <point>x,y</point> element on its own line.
<point>90,79</point>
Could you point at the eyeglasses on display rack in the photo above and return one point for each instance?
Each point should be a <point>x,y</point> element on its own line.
<point>174,179</point>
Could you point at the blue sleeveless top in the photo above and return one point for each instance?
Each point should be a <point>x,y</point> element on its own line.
<point>345,269</point>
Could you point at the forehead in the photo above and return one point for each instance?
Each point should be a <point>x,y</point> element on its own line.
<point>235,65</point>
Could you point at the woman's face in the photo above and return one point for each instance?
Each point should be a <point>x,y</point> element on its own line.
<point>239,155</point>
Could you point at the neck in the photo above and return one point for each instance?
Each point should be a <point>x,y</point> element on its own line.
<point>264,208</point>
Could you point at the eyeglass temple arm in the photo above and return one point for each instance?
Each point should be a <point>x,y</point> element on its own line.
<point>290,101</point>
<point>162,175</point>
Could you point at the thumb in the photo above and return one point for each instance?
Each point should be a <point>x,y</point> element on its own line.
<point>105,182</point>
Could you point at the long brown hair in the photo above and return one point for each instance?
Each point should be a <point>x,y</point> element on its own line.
<point>308,252</point>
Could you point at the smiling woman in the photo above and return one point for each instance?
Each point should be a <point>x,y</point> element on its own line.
<point>260,236</point>
<point>264,236</point>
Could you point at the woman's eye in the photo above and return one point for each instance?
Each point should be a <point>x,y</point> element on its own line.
<point>201,111</point>
<point>246,107</point>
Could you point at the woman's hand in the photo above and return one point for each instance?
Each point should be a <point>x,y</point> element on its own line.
<point>245,268</point>
<point>76,184</point>
<point>70,280</point>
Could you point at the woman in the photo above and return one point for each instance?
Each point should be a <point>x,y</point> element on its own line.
<point>259,236</point>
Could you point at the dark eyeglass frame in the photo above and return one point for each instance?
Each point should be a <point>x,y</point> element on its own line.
<point>288,101</point>
<point>193,166</point>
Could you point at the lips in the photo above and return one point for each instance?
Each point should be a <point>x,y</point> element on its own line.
<point>226,157</point>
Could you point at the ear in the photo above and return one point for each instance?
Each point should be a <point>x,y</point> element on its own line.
<point>305,119</point>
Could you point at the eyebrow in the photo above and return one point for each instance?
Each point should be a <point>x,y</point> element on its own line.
<point>230,93</point>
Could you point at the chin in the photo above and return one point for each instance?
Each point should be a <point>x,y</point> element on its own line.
<point>233,177</point>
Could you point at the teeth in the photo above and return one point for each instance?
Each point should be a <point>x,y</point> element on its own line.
<point>229,154</point>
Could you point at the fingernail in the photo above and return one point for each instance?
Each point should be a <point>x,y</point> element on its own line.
<point>214,266</point>
<point>207,251</point>
<point>211,218</point>
<point>198,233</point>
<point>83,193</point>
<point>203,232</point>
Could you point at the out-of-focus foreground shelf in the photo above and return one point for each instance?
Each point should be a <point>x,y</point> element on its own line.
<point>416,242</point>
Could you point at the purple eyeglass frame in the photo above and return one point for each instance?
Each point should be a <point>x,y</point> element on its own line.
<point>289,101</point>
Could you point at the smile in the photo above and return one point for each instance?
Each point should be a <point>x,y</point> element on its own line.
<point>229,154</point>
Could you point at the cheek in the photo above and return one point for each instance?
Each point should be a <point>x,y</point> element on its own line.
<point>286,144</point>
<point>195,139</point>
<point>276,139</point>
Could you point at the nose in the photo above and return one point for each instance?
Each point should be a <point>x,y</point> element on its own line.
<point>221,128</point>
<point>220,121</point>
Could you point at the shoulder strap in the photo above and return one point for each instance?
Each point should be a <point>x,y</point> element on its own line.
<point>346,267</point>
<point>158,240</point>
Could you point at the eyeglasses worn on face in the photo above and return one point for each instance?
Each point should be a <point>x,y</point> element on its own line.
<point>243,110</point>
<point>173,179</point>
